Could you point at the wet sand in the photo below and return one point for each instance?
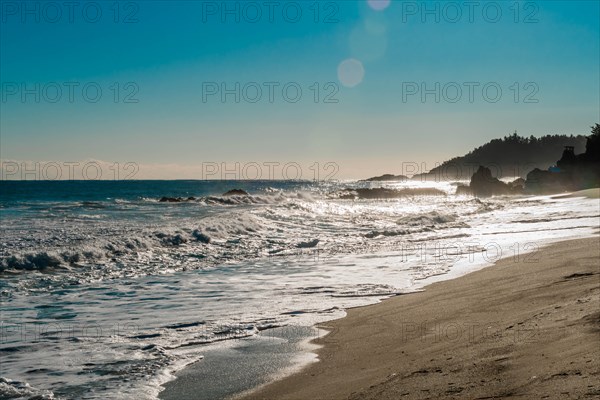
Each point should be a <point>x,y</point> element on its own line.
<point>588,194</point>
<point>526,328</point>
<point>233,366</point>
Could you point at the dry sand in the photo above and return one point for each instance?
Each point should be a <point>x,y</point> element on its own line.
<point>516,329</point>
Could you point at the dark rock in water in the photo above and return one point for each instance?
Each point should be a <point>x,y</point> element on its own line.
<point>177,240</point>
<point>170,200</point>
<point>306,245</point>
<point>517,186</point>
<point>174,240</point>
<point>236,192</point>
<point>484,184</point>
<point>166,199</point>
<point>39,261</point>
<point>201,237</point>
<point>519,182</point>
<point>386,178</point>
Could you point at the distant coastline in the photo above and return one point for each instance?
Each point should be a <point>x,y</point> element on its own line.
<point>519,157</point>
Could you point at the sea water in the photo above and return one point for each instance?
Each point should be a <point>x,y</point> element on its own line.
<point>107,292</point>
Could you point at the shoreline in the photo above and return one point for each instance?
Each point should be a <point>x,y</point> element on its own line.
<point>249,363</point>
<point>444,342</point>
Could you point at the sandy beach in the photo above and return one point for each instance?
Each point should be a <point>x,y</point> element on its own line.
<point>527,328</point>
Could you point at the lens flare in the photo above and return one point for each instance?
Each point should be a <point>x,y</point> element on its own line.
<point>379,5</point>
<point>351,72</point>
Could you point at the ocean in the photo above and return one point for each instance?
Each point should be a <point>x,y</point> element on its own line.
<point>107,293</point>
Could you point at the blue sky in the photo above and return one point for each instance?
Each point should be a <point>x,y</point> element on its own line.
<point>169,52</point>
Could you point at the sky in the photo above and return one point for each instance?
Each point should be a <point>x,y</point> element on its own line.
<point>176,88</point>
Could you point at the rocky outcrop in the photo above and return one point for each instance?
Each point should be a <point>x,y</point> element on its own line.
<point>483,184</point>
<point>544,182</point>
<point>518,183</point>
